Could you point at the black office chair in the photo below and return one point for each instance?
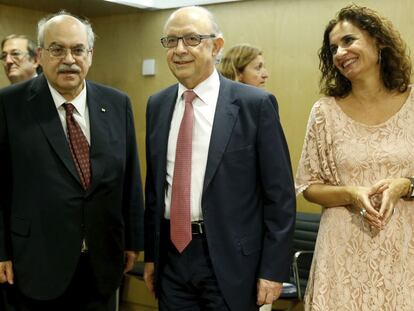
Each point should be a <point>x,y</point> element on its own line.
<point>306,231</point>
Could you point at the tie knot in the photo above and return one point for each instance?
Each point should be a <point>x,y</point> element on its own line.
<point>69,108</point>
<point>189,96</point>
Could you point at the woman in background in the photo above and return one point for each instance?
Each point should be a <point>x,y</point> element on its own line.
<point>244,63</point>
<point>357,155</point>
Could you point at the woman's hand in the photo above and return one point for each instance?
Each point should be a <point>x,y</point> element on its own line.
<point>361,200</point>
<point>392,190</point>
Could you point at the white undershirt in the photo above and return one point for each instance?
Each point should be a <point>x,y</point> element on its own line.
<point>204,108</point>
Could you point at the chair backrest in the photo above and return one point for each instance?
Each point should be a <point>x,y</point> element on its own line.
<point>306,231</point>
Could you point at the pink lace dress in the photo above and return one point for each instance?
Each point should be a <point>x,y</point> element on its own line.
<point>356,268</point>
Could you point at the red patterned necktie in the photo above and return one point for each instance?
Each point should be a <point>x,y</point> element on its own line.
<point>180,217</point>
<point>79,147</point>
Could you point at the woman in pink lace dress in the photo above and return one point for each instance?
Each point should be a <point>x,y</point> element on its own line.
<point>357,155</point>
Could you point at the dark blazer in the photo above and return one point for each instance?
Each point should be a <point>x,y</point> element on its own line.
<point>248,199</point>
<point>44,211</point>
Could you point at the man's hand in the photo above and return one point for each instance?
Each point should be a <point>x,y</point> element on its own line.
<point>268,291</point>
<point>6,272</point>
<point>149,276</point>
<point>130,259</point>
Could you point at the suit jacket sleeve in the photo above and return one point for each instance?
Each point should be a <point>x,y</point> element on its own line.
<point>150,197</point>
<point>5,187</point>
<point>133,206</point>
<point>279,200</point>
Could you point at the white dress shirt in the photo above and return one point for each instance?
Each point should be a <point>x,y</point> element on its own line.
<point>81,112</point>
<point>204,108</point>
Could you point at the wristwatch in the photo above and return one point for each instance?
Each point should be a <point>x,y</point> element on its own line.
<point>410,193</point>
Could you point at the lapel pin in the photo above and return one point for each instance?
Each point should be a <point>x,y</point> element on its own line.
<point>103,109</point>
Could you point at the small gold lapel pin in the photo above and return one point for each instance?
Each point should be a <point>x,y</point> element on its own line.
<point>103,109</point>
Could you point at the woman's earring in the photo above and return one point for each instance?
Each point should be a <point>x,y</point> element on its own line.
<point>379,57</point>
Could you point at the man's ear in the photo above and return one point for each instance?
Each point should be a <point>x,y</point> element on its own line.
<point>38,56</point>
<point>218,45</point>
<point>35,60</point>
<point>90,57</point>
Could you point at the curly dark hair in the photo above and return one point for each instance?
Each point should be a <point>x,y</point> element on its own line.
<point>394,58</point>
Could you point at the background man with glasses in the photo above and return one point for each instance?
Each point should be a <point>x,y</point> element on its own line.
<point>220,202</point>
<point>19,58</point>
<point>71,210</point>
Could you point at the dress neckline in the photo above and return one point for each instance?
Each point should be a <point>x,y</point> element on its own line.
<point>402,109</point>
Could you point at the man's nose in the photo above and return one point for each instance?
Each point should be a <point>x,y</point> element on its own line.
<point>68,59</point>
<point>9,59</point>
<point>181,47</point>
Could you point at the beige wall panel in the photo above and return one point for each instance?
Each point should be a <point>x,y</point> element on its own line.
<point>19,21</point>
<point>288,31</point>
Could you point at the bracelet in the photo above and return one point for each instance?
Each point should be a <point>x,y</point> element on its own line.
<point>410,194</point>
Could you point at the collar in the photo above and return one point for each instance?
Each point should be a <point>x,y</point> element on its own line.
<point>79,101</point>
<point>204,89</point>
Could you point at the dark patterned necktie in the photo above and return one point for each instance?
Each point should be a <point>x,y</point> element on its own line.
<point>79,146</point>
<point>180,216</point>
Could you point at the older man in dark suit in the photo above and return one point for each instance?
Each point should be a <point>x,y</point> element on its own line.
<point>71,202</point>
<point>220,203</point>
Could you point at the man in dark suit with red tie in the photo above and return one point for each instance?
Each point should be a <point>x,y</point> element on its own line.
<point>71,208</point>
<point>220,201</point>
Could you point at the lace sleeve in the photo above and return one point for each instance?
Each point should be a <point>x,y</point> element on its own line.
<point>317,164</point>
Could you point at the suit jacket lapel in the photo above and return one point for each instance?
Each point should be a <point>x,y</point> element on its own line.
<point>224,120</point>
<point>98,113</point>
<point>163,130</point>
<point>44,111</point>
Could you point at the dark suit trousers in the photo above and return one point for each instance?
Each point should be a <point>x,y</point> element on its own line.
<point>187,280</point>
<point>81,295</point>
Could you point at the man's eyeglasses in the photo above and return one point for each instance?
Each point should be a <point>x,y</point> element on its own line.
<point>15,55</point>
<point>61,52</point>
<point>188,40</point>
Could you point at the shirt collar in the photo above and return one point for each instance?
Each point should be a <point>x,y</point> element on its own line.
<point>79,101</point>
<point>204,89</point>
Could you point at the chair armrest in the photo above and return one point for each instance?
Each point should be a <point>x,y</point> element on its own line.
<point>295,267</point>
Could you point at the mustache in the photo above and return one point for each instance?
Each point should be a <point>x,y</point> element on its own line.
<point>69,68</point>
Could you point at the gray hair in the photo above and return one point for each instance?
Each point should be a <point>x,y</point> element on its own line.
<point>42,23</point>
<point>215,29</point>
<point>214,26</point>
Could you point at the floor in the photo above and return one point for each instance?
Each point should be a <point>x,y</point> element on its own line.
<point>135,297</point>
<point>126,306</point>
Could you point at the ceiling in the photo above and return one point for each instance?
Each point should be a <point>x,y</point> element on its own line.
<point>92,8</point>
<point>163,4</point>
<point>81,7</point>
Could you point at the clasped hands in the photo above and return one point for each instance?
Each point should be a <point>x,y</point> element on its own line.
<point>376,203</point>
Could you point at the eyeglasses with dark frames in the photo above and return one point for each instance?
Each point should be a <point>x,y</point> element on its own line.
<point>188,40</point>
<point>58,51</point>
<point>16,55</point>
